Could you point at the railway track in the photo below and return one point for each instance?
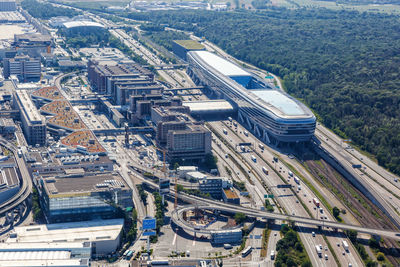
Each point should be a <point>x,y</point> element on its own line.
<point>364,216</point>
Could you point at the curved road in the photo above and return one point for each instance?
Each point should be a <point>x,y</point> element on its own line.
<point>26,182</point>
<point>217,205</point>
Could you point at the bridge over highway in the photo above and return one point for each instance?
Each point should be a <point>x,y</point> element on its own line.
<point>133,130</point>
<point>217,205</point>
<point>176,89</point>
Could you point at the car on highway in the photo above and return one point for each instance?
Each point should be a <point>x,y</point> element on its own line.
<point>313,234</point>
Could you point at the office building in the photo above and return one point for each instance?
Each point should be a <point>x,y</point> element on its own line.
<point>24,67</point>
<point>80,196</point>
<point>135,86</point>
<point>272,115</point>
<point>229,196</point>
<point>7,5</point>
<point>121,80</point>
<point>33,124</point>
<point>7,126</point>
<point>212,186</point>
<point>192,143</point>
<point>168,118</point>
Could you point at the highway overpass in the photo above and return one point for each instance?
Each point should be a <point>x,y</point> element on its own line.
<point>218,205</point>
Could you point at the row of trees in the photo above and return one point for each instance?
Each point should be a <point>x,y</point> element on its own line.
<point>343,64</point>
<point>290,250</point>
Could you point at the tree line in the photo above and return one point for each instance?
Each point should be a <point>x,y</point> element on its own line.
<point>344,65</point>
<point>45,11</point>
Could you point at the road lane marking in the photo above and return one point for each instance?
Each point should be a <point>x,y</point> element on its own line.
<point>173,241</point>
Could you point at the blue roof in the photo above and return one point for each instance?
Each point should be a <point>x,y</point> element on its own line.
<point>281,101</point>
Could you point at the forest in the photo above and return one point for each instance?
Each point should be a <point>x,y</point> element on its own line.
<point>344,65</point>
<point>45,11</point>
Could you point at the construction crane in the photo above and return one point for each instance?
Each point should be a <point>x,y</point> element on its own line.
<point>164,169</point>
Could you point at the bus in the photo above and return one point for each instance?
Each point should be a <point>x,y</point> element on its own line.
<point>247,251</point>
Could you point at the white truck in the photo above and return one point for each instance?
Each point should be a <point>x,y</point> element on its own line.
<point>290,173</point>
<point>225,131</point>
<point>345,245</point>
<point>318,249</point>
<point>253,158</point>
<point>272,254</point>
<point>246,133</point>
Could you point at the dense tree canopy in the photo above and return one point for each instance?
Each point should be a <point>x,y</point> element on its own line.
<point>46,11</point>
<point>344,65</point>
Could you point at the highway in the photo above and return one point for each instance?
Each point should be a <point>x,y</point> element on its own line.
<point>289,199</point>
<point>218,205</point>
<point>386,190</point>
<point>26,181</point>
<point>377,194</point>
<point>379,181</point>
<point>152,60</point>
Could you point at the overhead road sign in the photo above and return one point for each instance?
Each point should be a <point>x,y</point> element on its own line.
<point>149,223</point>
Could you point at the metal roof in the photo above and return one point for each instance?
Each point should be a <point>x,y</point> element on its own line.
<point>69,232</point>
<point>220,64</point>
<point>81,23</point>
<point>280,101</point>
<point>209,106</point>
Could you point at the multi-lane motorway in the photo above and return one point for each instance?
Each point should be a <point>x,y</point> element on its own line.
<point>289,199</point>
